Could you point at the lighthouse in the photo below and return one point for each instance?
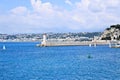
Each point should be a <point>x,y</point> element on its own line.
<point>44,40</point>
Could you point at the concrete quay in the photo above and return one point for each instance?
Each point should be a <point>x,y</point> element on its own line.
<point>73,43</point>
<point>47,42</point>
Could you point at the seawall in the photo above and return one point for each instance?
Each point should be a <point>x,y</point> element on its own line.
<point>74,43</point>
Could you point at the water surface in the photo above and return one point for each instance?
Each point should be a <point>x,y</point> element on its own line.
<point>25,61</point>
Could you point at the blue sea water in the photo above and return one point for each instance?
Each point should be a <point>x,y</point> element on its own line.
<point>25,61</point>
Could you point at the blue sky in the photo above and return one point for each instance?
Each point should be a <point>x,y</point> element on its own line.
<point>37,16</point>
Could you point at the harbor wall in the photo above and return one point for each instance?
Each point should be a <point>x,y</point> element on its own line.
<point>74,43</point>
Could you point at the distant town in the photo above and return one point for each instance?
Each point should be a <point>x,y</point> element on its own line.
<point>86,36</point>
<point>110,33</point>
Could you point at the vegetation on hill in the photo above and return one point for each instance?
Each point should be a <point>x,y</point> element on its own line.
<point>112,33</point>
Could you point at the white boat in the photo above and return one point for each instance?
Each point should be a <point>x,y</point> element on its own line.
<point>4,48</point>
<point>115,46</point>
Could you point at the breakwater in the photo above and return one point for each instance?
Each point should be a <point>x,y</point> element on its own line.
<point>70,42</point>
<point>73,43</point>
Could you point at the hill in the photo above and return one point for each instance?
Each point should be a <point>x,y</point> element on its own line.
<point>112,33</point>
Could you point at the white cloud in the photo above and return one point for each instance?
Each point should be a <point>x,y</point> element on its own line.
<point>68,2</point>
<point>42,8</point>
<point>82,4</point>
<point>19,10</point>
<point>85,15</point>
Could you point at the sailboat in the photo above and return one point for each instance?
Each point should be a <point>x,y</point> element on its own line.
<point>4,48</point>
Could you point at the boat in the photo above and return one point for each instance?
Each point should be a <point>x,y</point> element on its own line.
<point>115,46</point>
<point>4,48</point>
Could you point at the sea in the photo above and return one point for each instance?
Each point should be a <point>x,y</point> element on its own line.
<point>25,61</point>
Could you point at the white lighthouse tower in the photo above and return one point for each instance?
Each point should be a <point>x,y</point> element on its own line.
<point>44,40</point>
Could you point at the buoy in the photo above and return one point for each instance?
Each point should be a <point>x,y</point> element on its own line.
<point>89,56</point>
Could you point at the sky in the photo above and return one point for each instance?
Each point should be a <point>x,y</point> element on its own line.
<point>41,16</point>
